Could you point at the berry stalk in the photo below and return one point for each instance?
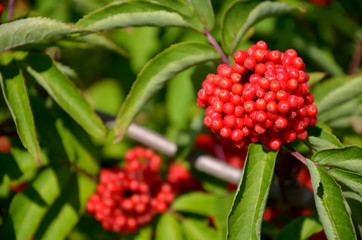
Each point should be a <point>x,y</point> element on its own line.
<point>214,43</point>
<point>11,9</point>
<point>296,154</point>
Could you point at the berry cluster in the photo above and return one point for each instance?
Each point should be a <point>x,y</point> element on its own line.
<point>130,197</point>
<point>264,97</point>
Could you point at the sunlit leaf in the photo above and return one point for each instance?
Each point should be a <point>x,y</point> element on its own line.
<point>168,228</point>
<point>331,206</point>
<point>347,91</point>
<point>132,13</point>
<point>31,205</point>
<point>348,158</point>
<point>246,216</point>
<point>321,137</point>
<point>16,96</point>
<point>35,29</point>
<point>42,68</point>
<point>158,70</point>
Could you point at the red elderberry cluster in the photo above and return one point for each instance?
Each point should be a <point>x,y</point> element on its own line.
<point>264,97</point>
<point>130,197</point>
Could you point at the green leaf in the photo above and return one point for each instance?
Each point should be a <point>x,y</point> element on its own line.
<point>132,13</point>
<point>168,228</point>
<point>43,69</point>
<point>195,229</point>
<point>346,92</point>
<point>331,206</point>
<point>64,213</point>
<point>315,77</point>
<point>350,179</point>
<point>348,158</point>
<point>320,57</point>
<point>346,109</point>
<point>102,41</point>
<point>32,30</point>
<point>354,201</point>
<point>16,96</point>
<point>203,12</point>
<point>321,137</point>
<point>158,70</point>
<point>31,205</point>
<point>180,87</point>
<point>78,146</point>
<point>246,216</point>
<point>196,202</point>
<point>300,228</point>
<point>242,15</point>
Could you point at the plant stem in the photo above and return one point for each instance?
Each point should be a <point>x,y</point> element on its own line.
<point>11,9</point>
<point>214,43</point>
<point>296,154</point>
<point>82,171</point>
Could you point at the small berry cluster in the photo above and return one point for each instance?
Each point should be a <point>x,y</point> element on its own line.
<point>264,97</point>
<point>130,197</point>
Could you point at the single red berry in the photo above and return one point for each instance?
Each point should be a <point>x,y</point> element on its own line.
<point>240,56</point>
<point>250,63</point>
<point>275,143</point>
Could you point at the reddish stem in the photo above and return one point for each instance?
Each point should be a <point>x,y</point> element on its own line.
<point>214,43</point>
<point>296,154</point>
<point>11,6</point>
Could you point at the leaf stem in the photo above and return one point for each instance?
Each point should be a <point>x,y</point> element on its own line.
<point>296,154</point>
<point>11,6</point>
<point>214,43</point>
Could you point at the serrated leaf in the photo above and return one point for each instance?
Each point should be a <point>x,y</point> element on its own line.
<point>195,229</point>
<point>32,204</point>
<point>132,13</point>
<point>180,87</point>
<point>161,68</point>
<point>43,69</point>
<point>346,109</point>
<point>168,228</point>
<point>196,202</point>
<point>102,41</point>
<point>321,137</point>
<point>300,228</point>
<point>64,213</point>
<point>348,158</point>
<point>204,12</point>
<point>246,215</point>
<point>16,97</point>
<point>331,206</point>
<point>350,179</point>
<point>242,15</point>
<point>34,29</point>
<point>346,92</point>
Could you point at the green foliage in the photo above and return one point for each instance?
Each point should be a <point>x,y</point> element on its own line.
<point>245,218</point>
<point>64,62</point>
